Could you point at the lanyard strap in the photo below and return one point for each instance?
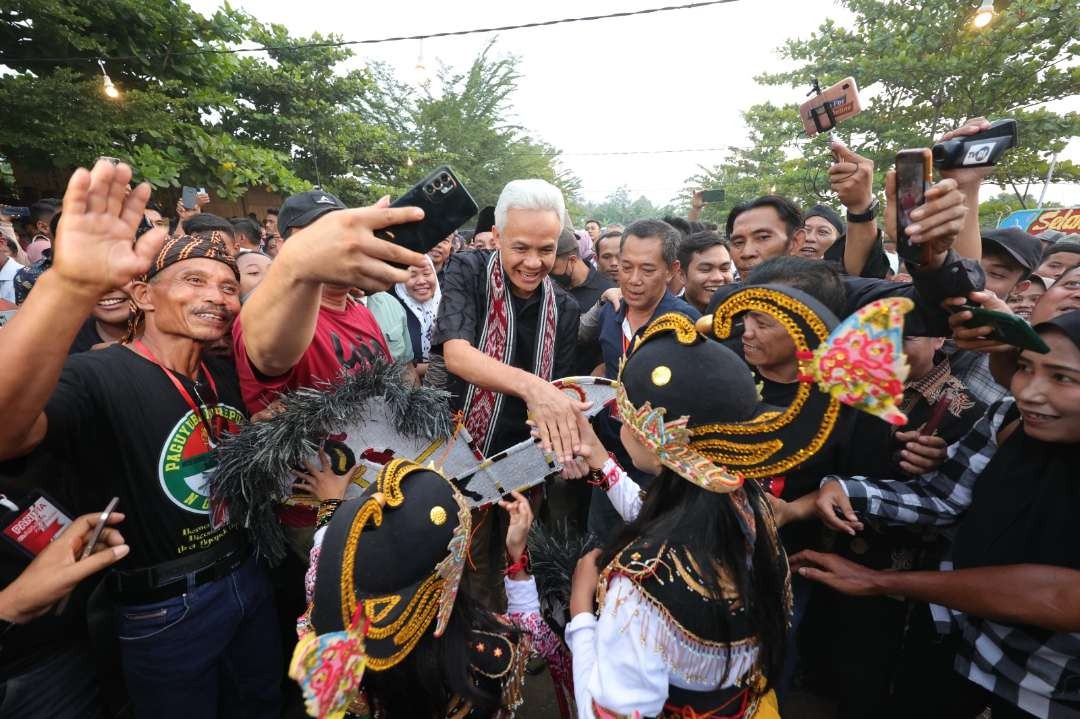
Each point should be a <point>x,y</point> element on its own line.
<point>208,431</point>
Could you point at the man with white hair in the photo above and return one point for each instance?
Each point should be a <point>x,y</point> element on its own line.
<point>505,330</point>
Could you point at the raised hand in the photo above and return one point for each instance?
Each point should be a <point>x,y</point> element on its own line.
<point>965,176</point>
<point>341,248</point>
<point>95,249</point>
<point>937,222</point>
<point>521,519</point>
<point>851,177</point>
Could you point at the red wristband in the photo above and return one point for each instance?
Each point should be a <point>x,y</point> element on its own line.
<point>521,565</point>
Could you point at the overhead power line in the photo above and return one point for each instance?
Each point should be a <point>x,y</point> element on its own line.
<point>624,152</point>
<point>376,41</point>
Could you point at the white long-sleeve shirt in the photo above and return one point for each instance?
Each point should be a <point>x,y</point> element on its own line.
<point>627,658</point>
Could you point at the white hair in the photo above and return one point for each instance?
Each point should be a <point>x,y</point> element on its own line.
<point>529,195</point>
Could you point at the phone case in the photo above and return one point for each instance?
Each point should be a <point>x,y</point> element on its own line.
<point>447,205</point>
<point>841,101</point>
<point>913,175</point>
<point>1009,329</point>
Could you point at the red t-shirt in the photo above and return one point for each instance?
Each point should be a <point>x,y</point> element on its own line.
<point>343,344</point>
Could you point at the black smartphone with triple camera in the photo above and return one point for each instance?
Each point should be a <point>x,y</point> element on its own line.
<point>447,205</point>
<point>913,175</point>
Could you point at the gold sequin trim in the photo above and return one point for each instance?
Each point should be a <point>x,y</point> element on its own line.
<point>683,327</point>
<point>372,510</point>
<point>390,478</point>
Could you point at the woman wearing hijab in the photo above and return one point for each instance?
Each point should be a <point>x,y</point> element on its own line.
<point>1010,489</point>
<point>420,295</point>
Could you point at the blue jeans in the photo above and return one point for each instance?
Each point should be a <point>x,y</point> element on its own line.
<point>64,686</point>
<point>213,651</point>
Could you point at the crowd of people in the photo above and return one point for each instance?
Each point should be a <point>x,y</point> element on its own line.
<point>748,544</point>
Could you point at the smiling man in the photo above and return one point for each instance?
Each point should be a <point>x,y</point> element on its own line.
<point>144,417</point>
<point>504,331</point>
<point>705,262</point>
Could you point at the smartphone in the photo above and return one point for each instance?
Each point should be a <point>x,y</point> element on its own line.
<point>189,197</point>
<point>447,205</point>
<point>14,212</point>
<point>913,175</point>
<point>113,160</point>
<point>89,548</point>
<point>712,195</point>
<point>825,111</point>
<point>1008,328</point>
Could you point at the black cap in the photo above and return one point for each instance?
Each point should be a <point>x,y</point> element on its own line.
<point>1019,245</point>
<point>568,243</point>
<point>485,220</point>
<point>1062,246</point>
<point>1067,322</point>
<point>302,209</point>
<point>828,214</point>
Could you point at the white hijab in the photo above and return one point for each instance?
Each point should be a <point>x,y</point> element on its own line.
<point>425,312</point>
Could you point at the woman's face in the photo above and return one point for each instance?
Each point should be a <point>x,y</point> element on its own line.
<point>1047,390</point>
<point>642,457</point>
<point>421,283</point>
<point>1061,297</point>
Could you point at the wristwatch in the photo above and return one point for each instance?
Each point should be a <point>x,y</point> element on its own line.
<point>869,214</point>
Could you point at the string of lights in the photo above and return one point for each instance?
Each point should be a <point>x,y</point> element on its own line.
<point>371,41</point>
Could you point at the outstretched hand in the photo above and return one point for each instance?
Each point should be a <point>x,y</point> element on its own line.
<point>95,249</point>
<point>59,567</point>
<point>837,573</point>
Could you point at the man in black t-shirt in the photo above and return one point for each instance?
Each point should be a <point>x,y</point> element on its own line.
<point>194,610</point>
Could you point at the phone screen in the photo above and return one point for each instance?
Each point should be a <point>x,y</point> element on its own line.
<point>188,197</point>
<point>911,189</point>
<point>712,195</point>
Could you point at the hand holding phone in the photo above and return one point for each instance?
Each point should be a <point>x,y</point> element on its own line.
<point>95,535</point>
<point>59,567</point>
<point>913,176</point>
<point>446,205</point>
<point>824,111</point>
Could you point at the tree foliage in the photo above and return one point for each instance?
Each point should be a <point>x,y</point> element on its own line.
<point>463,120</point>
<point>620,208</point>
<point>922,69</point>
<point>283,119</point>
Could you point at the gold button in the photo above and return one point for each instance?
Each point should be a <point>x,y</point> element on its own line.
<point>661,376</point>
<point>438,516</point>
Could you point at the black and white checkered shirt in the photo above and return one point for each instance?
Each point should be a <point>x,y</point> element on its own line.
<point>1037,670</point>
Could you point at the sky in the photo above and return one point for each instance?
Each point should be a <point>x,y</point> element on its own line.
<point>665,81</point>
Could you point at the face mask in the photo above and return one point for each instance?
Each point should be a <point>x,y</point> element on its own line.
<point>564,279</point>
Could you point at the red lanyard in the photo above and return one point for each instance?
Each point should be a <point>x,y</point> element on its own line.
<point>208,431</point>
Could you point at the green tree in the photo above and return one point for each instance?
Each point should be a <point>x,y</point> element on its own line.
<point>922,69</point>
<point>463,122</point>
<point>166,121</point>
<point>993,210</point>
<point>620,208</point>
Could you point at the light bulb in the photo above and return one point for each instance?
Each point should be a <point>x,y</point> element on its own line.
<point>984,15</point>
<point>110,88</point>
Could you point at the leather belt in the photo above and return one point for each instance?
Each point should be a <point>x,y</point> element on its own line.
<point>174,578</point>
